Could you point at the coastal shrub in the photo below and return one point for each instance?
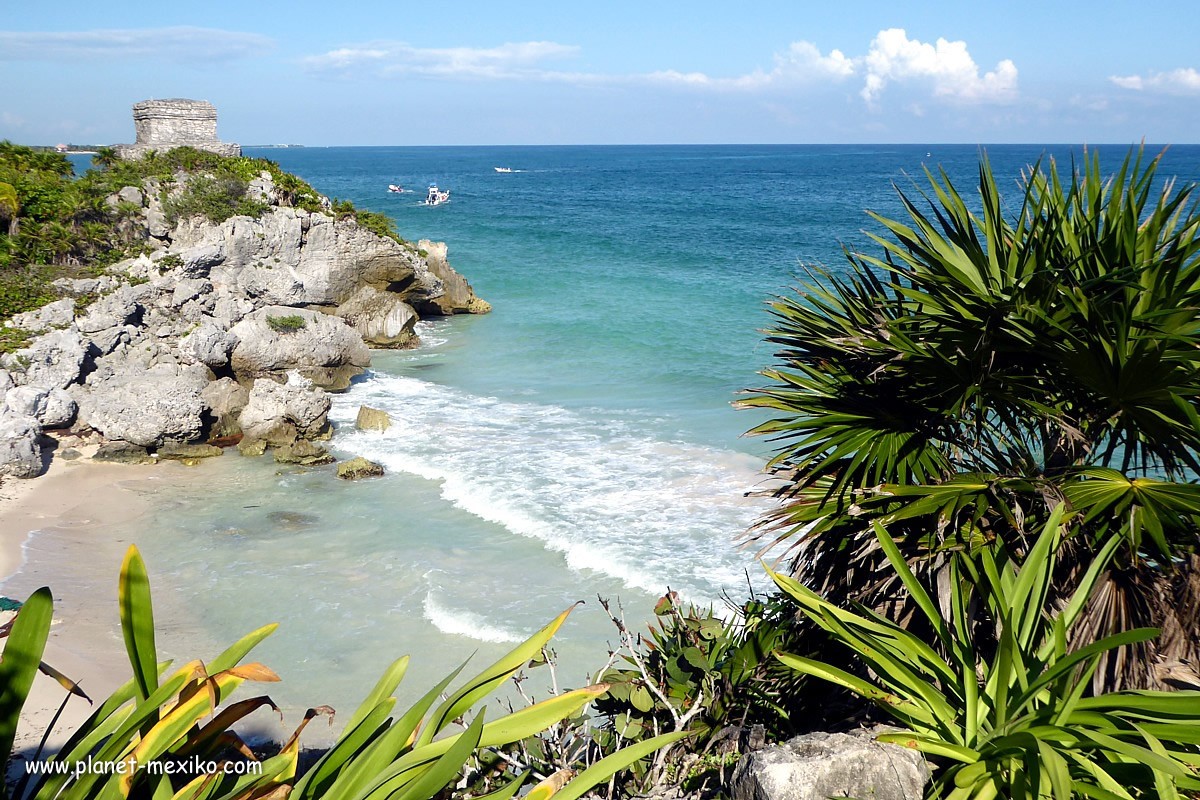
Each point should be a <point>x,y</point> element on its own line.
<point>287,324</point>
<point>1012,719</point>
<point>23,289</point>
<point>695,671</point>
<point>160,715</point>
<point>215,199</point>
<point>379,224</point>
<point>992,360</point>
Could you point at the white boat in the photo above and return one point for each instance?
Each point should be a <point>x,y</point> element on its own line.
<point>395,188</point>
<point>436,196</point>
<point>502,169</point>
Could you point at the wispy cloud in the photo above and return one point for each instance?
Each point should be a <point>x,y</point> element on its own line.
<point>1183,81</point>
<point>802,62</point>
<point>507,61</point>
<point>893,57</point>
<point>183,43</point>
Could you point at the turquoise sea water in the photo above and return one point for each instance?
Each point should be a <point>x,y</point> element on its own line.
<point>578,440</point>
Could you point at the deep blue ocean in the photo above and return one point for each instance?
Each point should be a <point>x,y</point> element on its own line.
<point>578,440</point>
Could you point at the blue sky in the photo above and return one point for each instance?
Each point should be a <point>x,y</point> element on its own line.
<point>405,73</point>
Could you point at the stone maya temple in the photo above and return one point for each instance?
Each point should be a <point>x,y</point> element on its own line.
<point>163,124</point>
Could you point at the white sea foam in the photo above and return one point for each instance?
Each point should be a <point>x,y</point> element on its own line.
<point>608,497</point>
<point>457,622</point>
<point>431,334</point>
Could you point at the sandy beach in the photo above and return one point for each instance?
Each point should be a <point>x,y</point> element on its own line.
<point>52,532</point>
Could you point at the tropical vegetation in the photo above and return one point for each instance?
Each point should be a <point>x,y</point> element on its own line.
<point>56,224</point>
<point>1008,713</point>
<point>170,715</point>
<point>993,362</point>
<point>989,482</point>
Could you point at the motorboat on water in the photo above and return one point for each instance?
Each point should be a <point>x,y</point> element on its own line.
<point>396,188</point>
<point>502,169</point>
<point>436,196</point>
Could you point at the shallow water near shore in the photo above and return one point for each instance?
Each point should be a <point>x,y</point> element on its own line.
<point>577,441</point>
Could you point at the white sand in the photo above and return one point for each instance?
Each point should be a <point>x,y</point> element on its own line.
<point>75,498</point>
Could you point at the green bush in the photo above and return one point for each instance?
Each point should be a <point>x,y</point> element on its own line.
<point>215,199</point>
<point>23,289</point>
<point>288,324</point>
<point>998,701</point>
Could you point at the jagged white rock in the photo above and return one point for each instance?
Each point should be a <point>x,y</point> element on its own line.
<point>323,348</point>
<point>146,407</point>
<point>20,452</point>
<point>280,413</point>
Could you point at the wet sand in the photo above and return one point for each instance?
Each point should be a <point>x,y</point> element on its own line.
<point>52,533</point>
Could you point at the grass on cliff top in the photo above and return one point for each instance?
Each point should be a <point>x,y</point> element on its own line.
<point>55,224</point>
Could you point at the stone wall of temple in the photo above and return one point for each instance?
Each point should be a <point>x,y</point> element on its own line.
<point>163,124</point>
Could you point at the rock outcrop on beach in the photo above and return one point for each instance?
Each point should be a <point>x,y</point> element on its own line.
<point>218,332</point>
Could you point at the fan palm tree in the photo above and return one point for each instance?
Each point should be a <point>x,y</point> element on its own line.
<point>105,157</point>
<point>988,365</point>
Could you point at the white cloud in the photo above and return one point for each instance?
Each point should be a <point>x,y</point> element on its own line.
<point>181,43</point>
<point>802,62</point>
<point>893,57</point>
<point>1184,81</point>
<point>509,60</point>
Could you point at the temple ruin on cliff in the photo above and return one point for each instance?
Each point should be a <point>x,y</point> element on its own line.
<point>163,124</point>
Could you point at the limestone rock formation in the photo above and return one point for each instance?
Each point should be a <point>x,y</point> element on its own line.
<point>58,314</point>
<point>458,297</point>
<point>372,419</point>
<point>52,408</point>
<point>225,399</point>
<point>357,468</point>
<point>52,361</point>
<point>275,340</point>
<point>147,408</point>
<point>381,318</point>
<point>208,344</point>
<point>289,256</point>
<point>820,765</point>
<point>217,332</point>
<point>20,452</point>
<point>303,452</point>
<point>280,413</point>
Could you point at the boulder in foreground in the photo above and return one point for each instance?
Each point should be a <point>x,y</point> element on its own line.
<point>372,419</point>
<point>276,339</point>
<point>819,765</point>
<point>20,451</point>
<point>357,468</point>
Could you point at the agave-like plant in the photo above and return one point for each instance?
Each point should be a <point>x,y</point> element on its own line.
<point>169,716</point>
<point>991,363</point>
<point>1006,714</point>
